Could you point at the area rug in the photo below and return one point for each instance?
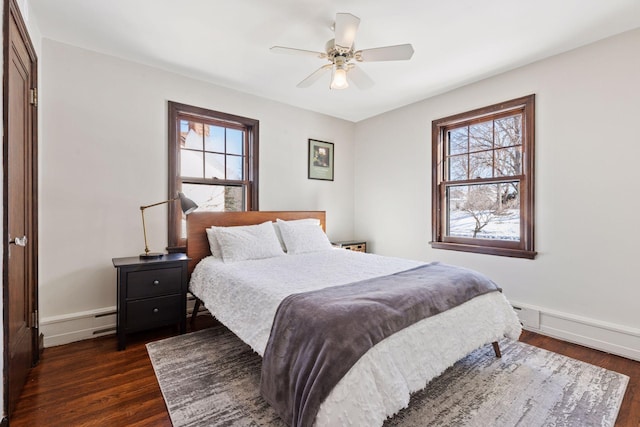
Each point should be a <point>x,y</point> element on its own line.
<point>211,378</point>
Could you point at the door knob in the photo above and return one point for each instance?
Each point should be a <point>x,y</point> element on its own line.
<point>19,241</point>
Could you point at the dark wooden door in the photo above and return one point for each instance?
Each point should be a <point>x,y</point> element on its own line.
<point>20,226</point>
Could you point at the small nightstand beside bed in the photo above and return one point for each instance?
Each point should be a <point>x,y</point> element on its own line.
<point>151,293</point>
<point>258,293</point>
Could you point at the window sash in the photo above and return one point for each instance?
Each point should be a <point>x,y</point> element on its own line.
<point>208,200</point>
<point>496,214</point>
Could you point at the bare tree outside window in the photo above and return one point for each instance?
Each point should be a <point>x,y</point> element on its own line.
<point>483,180</point>
<point>485,150</point>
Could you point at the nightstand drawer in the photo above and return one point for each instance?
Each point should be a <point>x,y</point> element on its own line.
<point>150,283</point>
<point>361,247</point>
<point>150,312</point>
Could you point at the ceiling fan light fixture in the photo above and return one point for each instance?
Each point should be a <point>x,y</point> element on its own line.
<point>339,77</point>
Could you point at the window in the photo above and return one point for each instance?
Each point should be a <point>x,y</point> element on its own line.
<point>482,184</point>
<point>213,160</point>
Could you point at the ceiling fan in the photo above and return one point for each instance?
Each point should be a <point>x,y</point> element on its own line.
<point>340,51</point>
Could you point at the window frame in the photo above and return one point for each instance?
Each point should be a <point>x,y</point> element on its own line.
<point>177,112</point>
<point>524,248</point>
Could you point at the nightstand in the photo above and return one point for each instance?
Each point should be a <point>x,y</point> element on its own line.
<point>151,293</point>
<point>353,245</point>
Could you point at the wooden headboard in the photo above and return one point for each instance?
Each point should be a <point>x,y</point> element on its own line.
<point>198,222</point>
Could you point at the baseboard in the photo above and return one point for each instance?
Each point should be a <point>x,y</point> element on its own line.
<point>611,338</point>
<point>608,337</point>
<point>68,328</point>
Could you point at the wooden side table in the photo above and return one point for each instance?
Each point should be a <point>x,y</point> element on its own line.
<point>353,245</point>
<point>151,293</point>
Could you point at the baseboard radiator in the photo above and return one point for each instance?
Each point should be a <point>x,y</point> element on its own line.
<point>611,338</point>
<point>65,329</point>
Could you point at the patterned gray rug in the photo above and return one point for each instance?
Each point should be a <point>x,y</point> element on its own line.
<point>211,378</point>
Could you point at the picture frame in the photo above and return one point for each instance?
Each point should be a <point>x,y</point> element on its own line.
<point>320,160</point>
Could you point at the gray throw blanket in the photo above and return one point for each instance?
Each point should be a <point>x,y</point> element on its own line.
<point>317,336</point>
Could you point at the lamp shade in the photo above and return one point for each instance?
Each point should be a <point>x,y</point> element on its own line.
<point>186,204</point>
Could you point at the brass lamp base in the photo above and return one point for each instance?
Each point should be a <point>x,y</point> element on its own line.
<point>151,255</point>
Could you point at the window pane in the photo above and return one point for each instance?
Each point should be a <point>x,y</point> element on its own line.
<point>481,164</point>
<point>484,211</point>
<point>457,167</point>
<point>191,163</point>
<point>195,136</point>
<point>184,130</point>
<point>215,139</point>
<point>215,198</point>
<point>509,131</point>
<point>458,139</point>
<point>214,167</point>
<point>508,161</point>
<point>234,199</point>
<point>234,167</point>
<point>235,140</point>
<point>481,136</point>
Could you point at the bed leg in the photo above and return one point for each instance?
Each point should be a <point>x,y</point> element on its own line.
<point>194,313</point>
<point>496,348</point>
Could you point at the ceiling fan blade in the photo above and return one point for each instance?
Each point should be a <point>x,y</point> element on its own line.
<point>292,51</point>
<point>315,76</point>
<point>387,53</point>
<point>345,29</point>
<point>360,78</point>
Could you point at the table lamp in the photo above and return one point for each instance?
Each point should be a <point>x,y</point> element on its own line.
<point>187,205</point>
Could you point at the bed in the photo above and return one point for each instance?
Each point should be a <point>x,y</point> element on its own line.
<point>245,296</point>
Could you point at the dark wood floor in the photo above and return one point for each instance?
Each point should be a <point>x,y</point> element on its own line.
<point>89,383</point>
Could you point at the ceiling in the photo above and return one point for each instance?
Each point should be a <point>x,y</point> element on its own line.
<point>226,42</point>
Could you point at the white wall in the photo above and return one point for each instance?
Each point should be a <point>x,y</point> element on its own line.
<point>587,207</point>
<point>104,153</point>
<point>104,146</point>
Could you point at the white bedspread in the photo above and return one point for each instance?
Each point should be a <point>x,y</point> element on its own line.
<point>245,295</point>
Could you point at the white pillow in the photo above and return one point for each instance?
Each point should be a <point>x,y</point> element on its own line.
<point>276,225</point>
<point>214,246</point>
<point>248,242</point>
<point>303,237</point>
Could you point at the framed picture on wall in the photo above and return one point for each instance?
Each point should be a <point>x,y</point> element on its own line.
<point>320,160</point>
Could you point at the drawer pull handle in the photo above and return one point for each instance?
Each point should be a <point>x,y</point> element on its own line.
<point>155,310</point>
<point>156,282</point>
